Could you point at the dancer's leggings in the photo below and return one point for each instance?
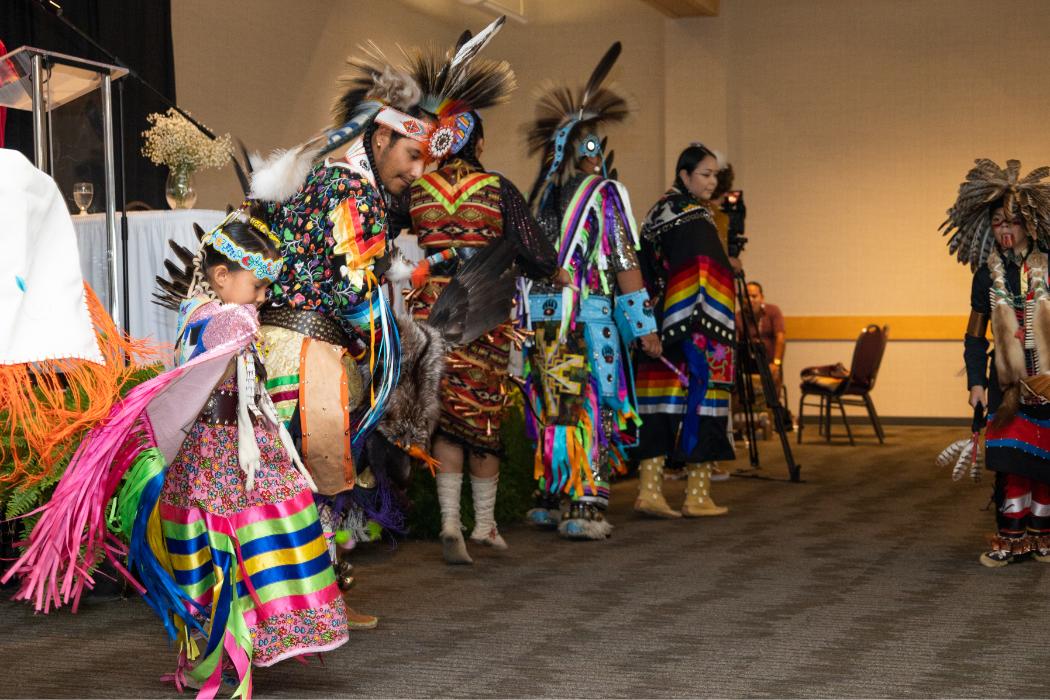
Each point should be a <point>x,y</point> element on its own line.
<point>1023,505</point>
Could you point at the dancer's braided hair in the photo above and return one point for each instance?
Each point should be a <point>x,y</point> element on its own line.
<point>240,232</point>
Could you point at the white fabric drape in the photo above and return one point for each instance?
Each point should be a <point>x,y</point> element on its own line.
<point>43,310</point>
<point>148,234</point>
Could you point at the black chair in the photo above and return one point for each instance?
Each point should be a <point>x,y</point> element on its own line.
<point>833,384</point>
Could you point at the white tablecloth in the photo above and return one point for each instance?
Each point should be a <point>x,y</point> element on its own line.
<point>148,234</point>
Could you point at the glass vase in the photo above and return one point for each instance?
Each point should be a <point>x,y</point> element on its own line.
<point>178,189</point>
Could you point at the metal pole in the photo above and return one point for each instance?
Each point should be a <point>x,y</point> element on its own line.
<point>114,254</point>
<point>39,114</point>
<point>125,298</point>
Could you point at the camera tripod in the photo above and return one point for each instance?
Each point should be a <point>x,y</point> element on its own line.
<point>754,355</point>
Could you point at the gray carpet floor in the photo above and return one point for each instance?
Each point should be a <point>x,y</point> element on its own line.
<point>863,581</point>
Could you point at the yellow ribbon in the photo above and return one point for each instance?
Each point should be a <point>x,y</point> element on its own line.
<point>371,279</point>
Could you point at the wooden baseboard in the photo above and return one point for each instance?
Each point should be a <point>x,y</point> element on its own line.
<point>811,420</point>
<point>938,328</point>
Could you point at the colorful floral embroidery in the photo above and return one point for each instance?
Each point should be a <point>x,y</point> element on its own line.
<point>207,475</point>
<point>334,224</point>
<point>298,632</point>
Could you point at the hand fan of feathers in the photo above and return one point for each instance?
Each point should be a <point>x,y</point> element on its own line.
<point>969,223</point>
<point>478,298</point>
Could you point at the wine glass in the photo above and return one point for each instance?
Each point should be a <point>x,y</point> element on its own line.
<point>83,193</point>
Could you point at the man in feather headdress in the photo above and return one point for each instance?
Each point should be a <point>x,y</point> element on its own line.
<point>1000,226</point>
<point>327,331</point>
<point>457,211</point>
<point>580,396</point>
<point>334,350</point>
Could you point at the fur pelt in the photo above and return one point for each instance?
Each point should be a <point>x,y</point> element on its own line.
<point>1009,356</point>
<point>414,408</point>
<point>1009,349</point>
<point>580,529</point>
<point>476,300</point>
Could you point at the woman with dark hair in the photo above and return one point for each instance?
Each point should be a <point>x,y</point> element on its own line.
<point>683,396</point>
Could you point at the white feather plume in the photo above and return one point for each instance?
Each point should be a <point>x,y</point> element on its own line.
<point>277,178</point>
<point>471,49</point>
<point>400,267</point>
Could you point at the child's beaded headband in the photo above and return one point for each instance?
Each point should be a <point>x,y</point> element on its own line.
<point>262,267</point>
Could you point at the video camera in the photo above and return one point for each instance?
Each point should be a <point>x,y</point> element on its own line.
<point>734,207</point>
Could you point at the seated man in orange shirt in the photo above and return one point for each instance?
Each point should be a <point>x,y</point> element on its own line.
<point>769,330</point>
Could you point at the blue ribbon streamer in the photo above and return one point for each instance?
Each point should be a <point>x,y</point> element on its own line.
<point>560,468</point>
<point>163,595</point>
<point>699,373</point>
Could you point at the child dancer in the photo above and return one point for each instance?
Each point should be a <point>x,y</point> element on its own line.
<point>223,537</point>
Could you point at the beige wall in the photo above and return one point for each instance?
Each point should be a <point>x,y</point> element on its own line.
<point>849,123</point>
<point>562,43</point>
<point>267,70</point>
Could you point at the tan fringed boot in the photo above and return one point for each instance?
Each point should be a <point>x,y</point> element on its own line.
<point>698,501</point>
<point>651,499</point>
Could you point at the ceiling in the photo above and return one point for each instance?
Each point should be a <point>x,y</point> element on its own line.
<point>560,11</point>
<point>686,8</point>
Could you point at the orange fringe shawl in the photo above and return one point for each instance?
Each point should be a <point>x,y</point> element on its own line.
<point>42,425</point>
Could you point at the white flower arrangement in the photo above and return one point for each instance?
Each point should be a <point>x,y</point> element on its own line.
<point>173,141</point>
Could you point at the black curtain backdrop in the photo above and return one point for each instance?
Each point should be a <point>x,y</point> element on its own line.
<point>136,31</point>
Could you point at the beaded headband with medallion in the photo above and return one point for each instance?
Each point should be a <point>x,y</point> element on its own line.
<point>262,267</point>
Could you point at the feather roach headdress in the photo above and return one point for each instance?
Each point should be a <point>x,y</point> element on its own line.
<point>969,221</point>
<point>374,91</point>
<point>457,85</point>
<point>566,123</point>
